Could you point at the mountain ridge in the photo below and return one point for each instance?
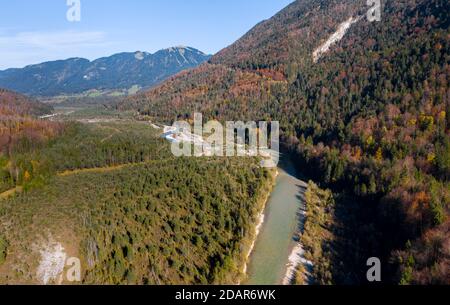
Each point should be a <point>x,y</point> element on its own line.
<point>118,71</point>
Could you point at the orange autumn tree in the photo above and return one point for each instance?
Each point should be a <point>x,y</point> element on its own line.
<point>418,210</point>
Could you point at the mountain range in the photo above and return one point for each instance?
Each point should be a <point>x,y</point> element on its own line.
<point>117,72</point>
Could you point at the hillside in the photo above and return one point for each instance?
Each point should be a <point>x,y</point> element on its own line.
<point>21,129</point>
<point>367,116</point>
<point>119,71</point>
<point>20,126</point>
<point>12,103</point>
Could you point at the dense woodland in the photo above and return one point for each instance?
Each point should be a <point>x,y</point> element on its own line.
<point>370,120</point>
<point>113,195</point>
<point>20,130</point>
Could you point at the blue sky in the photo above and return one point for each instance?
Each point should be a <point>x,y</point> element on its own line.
<point>36,31</point>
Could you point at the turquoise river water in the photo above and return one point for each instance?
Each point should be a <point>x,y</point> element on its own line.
<point>268,261</point>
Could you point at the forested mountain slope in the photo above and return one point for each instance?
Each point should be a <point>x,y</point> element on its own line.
<point>21,129</point>
<point>12,103</point>
<point>369,119</point>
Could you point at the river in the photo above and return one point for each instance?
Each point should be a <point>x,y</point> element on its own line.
<point>275,242</point>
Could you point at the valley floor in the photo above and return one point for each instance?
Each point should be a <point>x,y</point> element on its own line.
<point>112,195</point>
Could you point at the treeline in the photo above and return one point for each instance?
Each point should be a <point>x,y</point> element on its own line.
<point>338,237</point>
<point>318,238</point>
